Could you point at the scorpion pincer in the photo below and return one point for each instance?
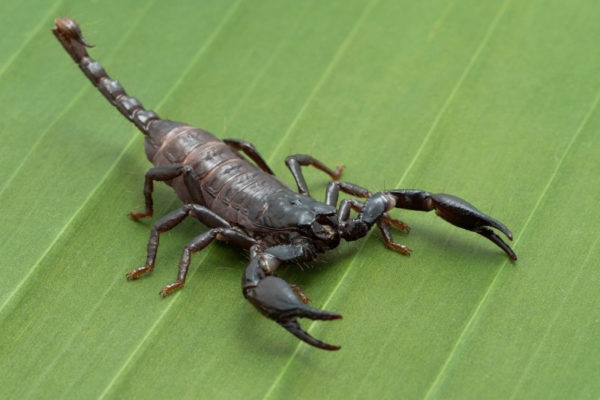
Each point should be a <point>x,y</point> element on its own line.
<point>246,204</point>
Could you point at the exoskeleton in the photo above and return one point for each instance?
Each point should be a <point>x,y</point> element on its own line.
<point>246,204</point>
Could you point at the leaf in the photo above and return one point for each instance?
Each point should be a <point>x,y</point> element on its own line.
<point>496,102</point>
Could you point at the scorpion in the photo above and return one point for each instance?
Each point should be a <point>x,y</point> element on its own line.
<point>245,204</point>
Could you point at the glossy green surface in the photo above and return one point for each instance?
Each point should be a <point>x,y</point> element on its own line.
<point>495,102</point>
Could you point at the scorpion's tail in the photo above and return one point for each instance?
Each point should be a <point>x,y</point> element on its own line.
<point>69,35</point>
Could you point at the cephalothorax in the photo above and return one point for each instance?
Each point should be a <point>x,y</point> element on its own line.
<point>245,204</point>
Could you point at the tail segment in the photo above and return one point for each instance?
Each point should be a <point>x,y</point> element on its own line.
<point>69,35</point>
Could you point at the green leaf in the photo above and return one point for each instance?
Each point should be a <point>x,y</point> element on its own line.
<point>495,102</point>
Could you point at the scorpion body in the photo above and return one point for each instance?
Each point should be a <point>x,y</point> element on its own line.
<point>246,204</point>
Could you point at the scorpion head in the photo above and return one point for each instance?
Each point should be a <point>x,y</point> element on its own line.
<point>296,213</point>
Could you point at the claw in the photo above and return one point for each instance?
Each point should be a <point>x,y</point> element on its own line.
<point>275,299</point>
<point>464,215</point>
<point>294,328</point>
<point>400,248</point>
<point>338,172</point>
<point>396,223</point>
<point>303,298</point>
<point>138,272</point>
<point>170,288</point>
<point>137,215</point>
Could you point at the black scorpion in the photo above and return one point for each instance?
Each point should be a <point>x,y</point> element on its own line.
<point>245,204</point>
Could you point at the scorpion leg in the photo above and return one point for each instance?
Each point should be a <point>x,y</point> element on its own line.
<point>334,188</point>
<point>332,195</point>
<point>249,149</point>
<point>167,173</point>
<point>275,298</point>
<point>389,241</point>
<point>358,206</point>
<point>453,209</point>
<point>199,243</point>
<point>170,221</point>
<point>296,161</point>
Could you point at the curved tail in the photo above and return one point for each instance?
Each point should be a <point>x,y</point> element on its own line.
<point>69,35</point>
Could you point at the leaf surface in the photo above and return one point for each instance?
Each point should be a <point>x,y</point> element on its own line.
<point>495,102</point>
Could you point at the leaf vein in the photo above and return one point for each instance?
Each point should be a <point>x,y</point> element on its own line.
<point>30,37</point>
<point>436,383</point>
<point>319,84</point>
<point>87,199</point>
<point>558,312</point>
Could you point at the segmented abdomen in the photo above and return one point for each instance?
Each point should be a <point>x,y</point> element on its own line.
<point>230,184</point>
